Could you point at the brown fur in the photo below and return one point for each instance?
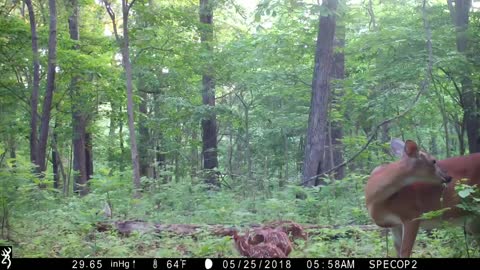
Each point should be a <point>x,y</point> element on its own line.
<point>394,203</point>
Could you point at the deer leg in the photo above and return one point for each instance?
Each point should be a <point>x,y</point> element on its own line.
<point>410,231</point>
<point>397,233</point>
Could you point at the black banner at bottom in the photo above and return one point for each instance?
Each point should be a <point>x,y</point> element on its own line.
<point>230,264</point>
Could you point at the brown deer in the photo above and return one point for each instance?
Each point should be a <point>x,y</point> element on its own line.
<point>261,250</point>
<point>275,237</point>
<point>398,193</point>
<point>292,229</point>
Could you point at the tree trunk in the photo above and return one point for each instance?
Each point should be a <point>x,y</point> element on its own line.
<point>194,160</point>
<point>176,158</point>
<point>89,154</point>
<point>441,107</point>
<point>43,12</point>
<point>144,137</point>
<point>58,168</point>
<point>209,123</point>
<point>130,113</point>
<point>55,159</point>
<point>461,17</point>
<point>461,136</point>
<point>47,103</point>
<point>285,158</point>
<point>122,161</point>
<point>36,84</point>
<point>124,46</point>
<point>316,131</point>
<point>230,151</point>
<point>79,144</point>
<point>78,112</point>
<point>116,161</point>
<point>339,75</point>
<point>160,157</point>
<point>248,153</point>
<point>13,153</point>
<point>328,155</point>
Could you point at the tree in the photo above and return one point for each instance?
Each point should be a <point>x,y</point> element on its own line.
<point>36,85</point>
<point>335,131</point>
<point>124,47</point>
<point>79,117</point>
<point>317,121</point>
<point>209,122</point>
<point>469,99</point>
<point>47,102</point>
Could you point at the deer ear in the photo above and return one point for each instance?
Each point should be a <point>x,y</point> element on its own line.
<point>411,149</point>
<point>397,146</point>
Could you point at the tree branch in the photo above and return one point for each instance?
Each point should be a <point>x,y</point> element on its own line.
<point>111,13</point>
<point>161,48</point>
<point>130,5</point>
<point>371,24</point>
<point>457,88</point>
<point>451,8</point>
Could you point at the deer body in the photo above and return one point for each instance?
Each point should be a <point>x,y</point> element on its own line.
<point>258,250</point>
<point>272,236</point>
<point>413,200</point>
<point>398,193</point>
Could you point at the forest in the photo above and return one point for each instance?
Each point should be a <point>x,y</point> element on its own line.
<point>240,128</point>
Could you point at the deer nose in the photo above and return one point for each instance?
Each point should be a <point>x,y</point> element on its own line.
<point>448,179</point>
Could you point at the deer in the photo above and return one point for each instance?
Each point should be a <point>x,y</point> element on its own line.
<point>397,194</point>
<point>292,229</point>
<point>261,250</point>
<point>275,237</point>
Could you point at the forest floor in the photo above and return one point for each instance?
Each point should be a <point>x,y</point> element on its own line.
<point>188,218</point>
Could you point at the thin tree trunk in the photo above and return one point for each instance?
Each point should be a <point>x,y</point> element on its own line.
<point>144,137</point>
<point>78,112</point>
<point>441,107</point>
<point>11,146</point>
<point>176,162</point>
<point>328,156</point>
<point>285,157</point>
<point>13,153</point>
<point>130,113</point>
<point>124,45</point>
<point>315,140</point>
<point>248,155</point>
<point>461,136</point>
<point>461,18</point>
<point>336,132</point>
<point>22,10</point>
<point>300,153</point>
<point>121,162</point>
<point>43,13</point>
<point>112,138</point>
<point>230,151</point>
<point>209,123</point>
<point>47,103</point>
<point>89,154</point>
<point>57,161</point>
<point>160,157</point>
<point>66,181</point>
<point>194,160</point>
<point>55,158</point>
<point>36,85</point>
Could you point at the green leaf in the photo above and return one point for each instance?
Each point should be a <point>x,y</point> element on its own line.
<point>465,193</point>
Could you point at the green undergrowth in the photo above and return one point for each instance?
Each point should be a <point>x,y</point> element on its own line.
<point>44,223</point>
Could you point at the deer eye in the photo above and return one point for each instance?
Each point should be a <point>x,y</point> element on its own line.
<point>434,161</point>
